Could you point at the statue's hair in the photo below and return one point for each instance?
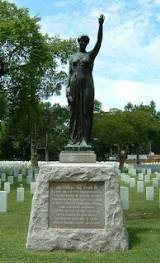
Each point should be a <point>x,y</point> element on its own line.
<point>84,37</point>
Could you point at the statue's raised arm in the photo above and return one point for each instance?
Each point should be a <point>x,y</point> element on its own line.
<point>96,49</point>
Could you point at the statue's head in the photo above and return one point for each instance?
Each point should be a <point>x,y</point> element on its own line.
<point>83,41</point>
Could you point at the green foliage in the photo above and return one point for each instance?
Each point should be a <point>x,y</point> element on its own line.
<point>131,130</point>
<point>97,106</point>
<point>30,68</point>
<point>3,106</point>
<point>53,129</point>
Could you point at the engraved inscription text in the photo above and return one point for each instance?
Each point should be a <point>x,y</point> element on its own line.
<point>76,205</point>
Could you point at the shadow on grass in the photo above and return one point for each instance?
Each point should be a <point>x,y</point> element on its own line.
<point>134,235</point>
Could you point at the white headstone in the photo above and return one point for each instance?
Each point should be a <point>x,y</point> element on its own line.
<point>29,179</point>
<point>125,178</point>
<point>143,170</point>
<point>15,172</point>
<point>23,171</point>
<point>155,182</point>
<point>133,172</point>
<point>150,193</point>
<point>124,196</point>
<point>7,187</point>
<point>20,194</point>
<point>3,201</point>
<point>3,177</point>
<point>10,179</point>
<point>30,172</point>
<point>130,170</point>
<point>32,187</point>
<point>132,182</point>
<point>36,175</point>
<point>147,178</point>
<point>149,171</point>
<point>140,177</point>
<point>20,178</point>
<point>140,187</point>
<point>158,176</point>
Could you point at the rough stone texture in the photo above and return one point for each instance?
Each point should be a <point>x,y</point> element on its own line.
<point>112,237</point>
<point>77,157</point>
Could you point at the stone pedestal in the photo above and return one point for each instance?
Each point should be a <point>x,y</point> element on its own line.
<point>77,207</point>
<point>77,157</point>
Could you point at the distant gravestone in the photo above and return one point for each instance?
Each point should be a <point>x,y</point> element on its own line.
<point>158,176</point>
<point>147,178</point>
<point>149,193</point>
<point>124,196</point>
<point>140,176</point>
<point>140,187</point>
<point>36,176</point>
<point>143,170</point>
<point>3,177</point>
<point>155,182</point>
<point>133,172</point>
<point>20,194</point>
<point>7,187</point>
<point>132,182</point>
<point>32,187</point>
<point>29,179</point>
<point>23,171</point>
<point>15,172</point>
<point>3,201</point>
<point>149,171</point>
<point>20,178</point>
<point>0,183</point>
<point>30,172</point>
<point>125,178</point>
<point>10,179</point>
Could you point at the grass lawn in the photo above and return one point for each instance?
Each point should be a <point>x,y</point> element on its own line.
<point>142,220</point>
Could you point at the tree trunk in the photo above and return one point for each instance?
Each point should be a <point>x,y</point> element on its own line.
<point>46,149</point>
<point>34,157</point>
<point>122,158</point>
<point>138,161</point>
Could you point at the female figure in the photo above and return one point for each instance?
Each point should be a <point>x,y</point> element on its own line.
<point>80,90</point>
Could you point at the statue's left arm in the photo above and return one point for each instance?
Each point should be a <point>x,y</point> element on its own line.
<point>96,49</point>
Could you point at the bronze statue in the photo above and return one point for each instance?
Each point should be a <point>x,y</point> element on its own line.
<point>80,91</point>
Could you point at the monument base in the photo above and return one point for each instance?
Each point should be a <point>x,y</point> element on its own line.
<point>77,207</point>
<point>77,157</point>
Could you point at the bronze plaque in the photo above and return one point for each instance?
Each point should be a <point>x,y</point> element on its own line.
<point>76,205</point>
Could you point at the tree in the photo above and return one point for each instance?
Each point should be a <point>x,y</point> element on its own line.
<point>126,131</point>
<point>97,106</point>
<point>3,106</point>
<point>29,68</point>
<point>53,129</point>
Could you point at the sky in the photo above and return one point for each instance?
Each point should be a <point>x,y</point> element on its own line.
<point>127,68</point>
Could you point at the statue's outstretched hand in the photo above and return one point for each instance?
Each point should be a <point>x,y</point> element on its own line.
<point>101,19</point>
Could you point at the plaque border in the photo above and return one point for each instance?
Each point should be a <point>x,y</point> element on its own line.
<point>78,182</point>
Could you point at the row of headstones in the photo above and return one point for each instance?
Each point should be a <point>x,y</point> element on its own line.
<point>124,195</point>
<point>141,180</point>
<point>10,179</point>
<point>132,171</point>
<point>14,171</point>
<point>19,198</point>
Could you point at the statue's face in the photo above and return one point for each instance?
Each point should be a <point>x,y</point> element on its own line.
<point>82,43</point>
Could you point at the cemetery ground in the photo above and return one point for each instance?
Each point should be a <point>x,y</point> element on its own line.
<point>142,220</point>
